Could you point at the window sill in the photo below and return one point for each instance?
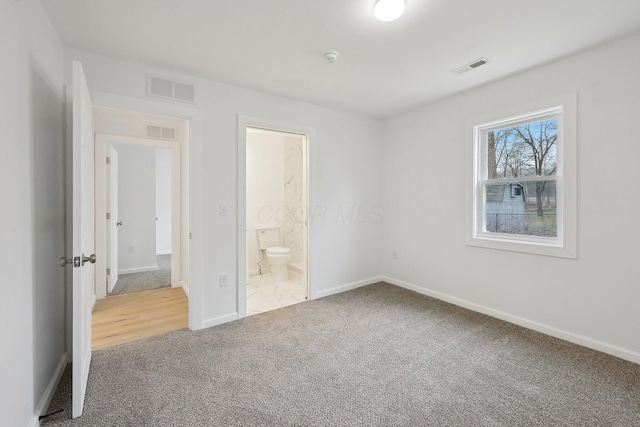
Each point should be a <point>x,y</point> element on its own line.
<point>552,249</point>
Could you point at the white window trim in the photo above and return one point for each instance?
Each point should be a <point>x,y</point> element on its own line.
<point>565,245</point>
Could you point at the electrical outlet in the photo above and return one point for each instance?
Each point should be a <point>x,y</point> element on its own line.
<point>224,280</point>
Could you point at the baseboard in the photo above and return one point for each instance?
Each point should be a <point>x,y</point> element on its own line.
<point>254,272</point>
<point>111,288</point>
<point>349,286</point>
<point>184,287</point>
<point>613,350</point>
<point>138,270</point>
<point>50,391</point>
<point>164,252</point>
<point>294,269</point>
<point>93,301</point>
<point>207,323</point>
<point>35,421</point>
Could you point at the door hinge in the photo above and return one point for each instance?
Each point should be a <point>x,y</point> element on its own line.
<point>108,272</point>
<point>108,160</point>
<point>108,215</point>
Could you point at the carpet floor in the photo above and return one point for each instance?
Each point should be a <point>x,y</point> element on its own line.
<point>375,356</point>
<point>137,282</point>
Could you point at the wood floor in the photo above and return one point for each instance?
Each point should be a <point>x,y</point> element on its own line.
<point>129,317</point>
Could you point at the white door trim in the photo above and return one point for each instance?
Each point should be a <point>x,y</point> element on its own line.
<point>112,205</point>
<point>192,171</point>
<point>102,141</point>
<point>309,135</point>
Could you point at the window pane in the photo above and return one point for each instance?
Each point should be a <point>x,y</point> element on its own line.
<point>527,208</point>
<point>525,150</point>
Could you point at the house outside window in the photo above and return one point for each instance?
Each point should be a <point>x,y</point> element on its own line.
<point>524,182</point>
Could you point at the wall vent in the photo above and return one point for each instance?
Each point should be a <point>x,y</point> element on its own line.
<point>165,88</point>
<point>470,66</point>
<point>161,132</point>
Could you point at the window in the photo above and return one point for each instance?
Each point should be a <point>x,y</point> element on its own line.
<point>523,197</point>
<point>516,190</point>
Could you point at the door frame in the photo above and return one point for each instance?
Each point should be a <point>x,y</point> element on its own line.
<point>192,188</point>
<point>102,141</point>
<point>112,200</point>
<point>308,132</point>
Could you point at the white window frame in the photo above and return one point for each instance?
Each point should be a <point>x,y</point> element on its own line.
<point>564,245</point>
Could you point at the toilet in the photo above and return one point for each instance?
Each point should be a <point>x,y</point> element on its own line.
<point>277,256</point>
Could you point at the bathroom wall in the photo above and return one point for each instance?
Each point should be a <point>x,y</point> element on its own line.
<point>293,196</point>
<point>265,189</point>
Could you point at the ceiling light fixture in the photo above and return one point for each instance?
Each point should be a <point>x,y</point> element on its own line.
<point>388,10</point>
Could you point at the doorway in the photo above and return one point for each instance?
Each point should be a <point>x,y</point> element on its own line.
<point>276,225</point>
<point>141,228</point>
<point>134,188</point>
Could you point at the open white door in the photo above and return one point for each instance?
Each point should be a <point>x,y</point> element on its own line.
<point>83,236</point>
<point>112,206</point>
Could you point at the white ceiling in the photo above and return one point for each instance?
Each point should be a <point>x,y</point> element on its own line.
<point>384,68</point>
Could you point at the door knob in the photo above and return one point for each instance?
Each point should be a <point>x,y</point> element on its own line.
<point>64,261</point>
<point>119,223</point>
<point>91,258</point>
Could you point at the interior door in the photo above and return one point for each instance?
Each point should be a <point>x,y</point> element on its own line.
<point>112,237</point>
<point>83,236</point>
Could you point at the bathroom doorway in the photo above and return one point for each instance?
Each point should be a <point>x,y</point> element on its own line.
<point>276,227</point>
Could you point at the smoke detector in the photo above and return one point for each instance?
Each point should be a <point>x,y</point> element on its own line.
<point>330,56</point>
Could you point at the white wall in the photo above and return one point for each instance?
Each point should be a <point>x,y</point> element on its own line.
<point>265,189</point>
<point>163,201</point>
<point>27,42</point>
<point>593,299</point>
<point>345,178</point>
<point>49,233</point>
<point>136,208</point>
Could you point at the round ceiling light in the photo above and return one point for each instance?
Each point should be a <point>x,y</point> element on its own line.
<point>388,10</point>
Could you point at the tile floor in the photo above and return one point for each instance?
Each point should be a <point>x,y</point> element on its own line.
<point>265,294</point>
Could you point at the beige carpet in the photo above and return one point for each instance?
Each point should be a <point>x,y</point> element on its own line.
<point>145,281</point>
<point>375,356</point>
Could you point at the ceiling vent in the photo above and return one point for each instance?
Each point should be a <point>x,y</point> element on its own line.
<point>165,88</point>
<point>470,66</point>
<point>161,132</point>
